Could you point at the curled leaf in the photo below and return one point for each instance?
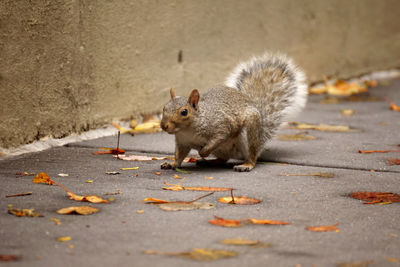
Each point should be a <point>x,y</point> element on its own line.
<point>376,197</point>
<point>64,239</point>
<point>225,223</point>
<point>92,198</point>
<point>272,222</point>
<point>377,151</point>
<point>23,212</point>
<point>393,106</point>
<point>323,228</point>
<point>55,220</point>
<point>198,254</point>
<point>150,200</point>
<point>81,210</point>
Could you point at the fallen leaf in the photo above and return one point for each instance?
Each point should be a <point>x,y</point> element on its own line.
<point>271,222</point>
<point>151,126</point>
<point>323,127</point>
<point>236,223</point>
<point>239,242</point>
<point>323,228</point>
<point>63,174</point>
<point>243,200</point>
<point>42,178</point>
<point>81,210</point>
<point>20,194</point>
<point>64,239</point>
<point>347,112</point>
<point>176,206</point>
<point>394,260</point>
<point>393,106</point>
<point>138,157</point>
<point>317,174</point>
<point>393,161</point>
<point>132,168</point>
<point>150,200</point>
<point>377,151</point>
<point>375,197</point>
<point>198,254</point>
<point>121,129</point>
<point>355,264</point>
<point>176,176</point>
<point>295,137</point>
<point>340,88</point>
<point>4,257</point>
<point>55,220</point>
<point>139,211</point>
<point>158,173</point>
<point>113,151</point>
<point>23,212</point>
<point>113,173</point>
<point>92,198</point>
<point>178,187</point>
<point>209,178</point>
<point>89,181</point>
<point>353,98</point>
<point>110,199</point>
<point>160,201</point>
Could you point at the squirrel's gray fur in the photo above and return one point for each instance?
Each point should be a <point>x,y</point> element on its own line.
<point>237,119</point>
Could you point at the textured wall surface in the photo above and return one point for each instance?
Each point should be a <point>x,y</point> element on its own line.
<point>68,66</point>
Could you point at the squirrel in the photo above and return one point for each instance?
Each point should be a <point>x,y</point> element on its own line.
<point>235,120</point>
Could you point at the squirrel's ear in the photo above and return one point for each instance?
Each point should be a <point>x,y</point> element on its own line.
<point>194,98</point>
<point>172,92</point>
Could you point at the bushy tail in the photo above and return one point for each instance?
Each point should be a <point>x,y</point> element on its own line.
<point>275,84</point>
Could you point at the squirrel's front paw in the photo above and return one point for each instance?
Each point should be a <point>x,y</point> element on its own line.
<point>204,153</point>
<point>167,165</point>
<point>245,167</point>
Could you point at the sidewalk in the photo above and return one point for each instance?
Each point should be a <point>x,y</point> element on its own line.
<point>118,235</point>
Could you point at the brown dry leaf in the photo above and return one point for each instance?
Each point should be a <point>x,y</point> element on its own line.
<point>178,187</point>
<point>393,106</point>
<point>323,127</point>
<point>393,161</point>
<point>377,151</point>
<point>355,264</point>
<point>23,212</point>
<point>239,242</point>
<point>316,174</point>
<point>92,198</point>
<point>176,206</point>
<point>176,176</point>
<point>113,151</point>
<point>272,222</point>
<point>4,257</point>
<point>347,112</point>
<point>295,137</point>
<point>198,254</point>
<point>42,178</point>
<point>150,200</point>
<point>376,197</point>
<point>323,228</point>
<point>243,200</point>
<point>82,210</point>
<point>64,239</point>
<point>138,157</point>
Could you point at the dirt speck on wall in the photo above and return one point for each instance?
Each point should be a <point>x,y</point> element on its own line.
<point>69,66</point>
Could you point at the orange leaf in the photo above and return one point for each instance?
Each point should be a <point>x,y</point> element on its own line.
<point>114,151</point>
<point>377,151</point>
<point>393,106</point>
<point>254,221</point>
<point>178,187</point>
<point>376,197</point>
<point>82,210</point>
<point>394,161</point>
<point>243,200</point>
<point>42,178</point>
<point>224,222</point>
<point>323,228</point>
<point>92,198</point>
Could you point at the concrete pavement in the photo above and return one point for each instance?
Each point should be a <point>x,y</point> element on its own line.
<point>118,235</point>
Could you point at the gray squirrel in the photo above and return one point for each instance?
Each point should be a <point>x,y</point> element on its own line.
<point>235,120</point>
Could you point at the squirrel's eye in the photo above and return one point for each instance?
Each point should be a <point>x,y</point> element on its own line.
<point>184,112</point>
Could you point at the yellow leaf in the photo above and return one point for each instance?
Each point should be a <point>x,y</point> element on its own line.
<point>239,242</point>
<point>82,210</point>
<point>198,254</point>
<point>323,127</point>
<point>64,239</point>
<point>347,112</point>
<point>42,178</point>
<point>295,137</point>
<point>139,211</point>
<point>57,221</point>
<point>89,181</point>
<point>133,168</point>
<point>92,199</point>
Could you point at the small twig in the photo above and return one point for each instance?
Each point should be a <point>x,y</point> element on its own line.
<point>233,198</point>
<point>54,182</point>
<point>206,195</point>
<point>119,133</point>
<point>20,195</point>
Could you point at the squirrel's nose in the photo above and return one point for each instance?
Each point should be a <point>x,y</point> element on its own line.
<point>164,126</point>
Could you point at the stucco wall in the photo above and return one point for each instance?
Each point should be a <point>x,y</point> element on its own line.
<point>68,66</point>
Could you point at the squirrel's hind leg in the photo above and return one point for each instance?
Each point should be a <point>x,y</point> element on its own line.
<point>249,142</point>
